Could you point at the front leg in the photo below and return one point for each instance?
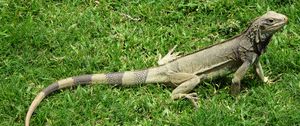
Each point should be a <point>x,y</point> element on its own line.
<point>237,77</point>
<point>259,71</point>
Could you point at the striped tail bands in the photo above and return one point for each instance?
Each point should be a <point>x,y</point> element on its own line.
<point>120,78</point>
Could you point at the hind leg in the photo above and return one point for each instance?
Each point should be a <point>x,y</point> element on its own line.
<point>182,91</point>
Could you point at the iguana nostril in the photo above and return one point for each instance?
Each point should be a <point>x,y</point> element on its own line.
<point>285,19</point>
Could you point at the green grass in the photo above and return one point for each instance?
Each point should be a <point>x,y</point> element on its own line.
<point>41,42</point>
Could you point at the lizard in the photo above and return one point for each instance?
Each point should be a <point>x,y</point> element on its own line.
<point>235,55</point>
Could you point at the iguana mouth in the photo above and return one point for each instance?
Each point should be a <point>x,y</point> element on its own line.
<point>277,26</point>
<point>284,22</point>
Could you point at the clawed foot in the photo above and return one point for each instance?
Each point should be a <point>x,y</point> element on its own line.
<point>268,81</point>
<point>193,97</point>
<point>235,89</point>
<point>169,57</point>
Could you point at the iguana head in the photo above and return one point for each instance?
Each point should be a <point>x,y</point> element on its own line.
<point>263,28</point>
<point>270,22</point>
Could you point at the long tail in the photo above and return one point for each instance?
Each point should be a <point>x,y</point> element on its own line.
<point>123,78</point>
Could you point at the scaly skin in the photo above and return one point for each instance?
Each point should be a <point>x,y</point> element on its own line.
<point>186,72</point>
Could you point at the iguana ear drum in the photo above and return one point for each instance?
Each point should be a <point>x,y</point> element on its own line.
<point>262,27</point>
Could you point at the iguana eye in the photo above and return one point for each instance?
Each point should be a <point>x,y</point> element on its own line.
<point>270,20</point>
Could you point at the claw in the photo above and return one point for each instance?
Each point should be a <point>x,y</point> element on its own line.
<point>172,50</point>
<point>169,57</point>
<point>268,81</point>
<point>159,56</point>
<point>194,99</point>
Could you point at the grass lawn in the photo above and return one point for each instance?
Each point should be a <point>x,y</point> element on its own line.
<point>41,42</point>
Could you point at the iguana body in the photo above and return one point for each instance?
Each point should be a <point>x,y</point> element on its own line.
<point>234,55</point>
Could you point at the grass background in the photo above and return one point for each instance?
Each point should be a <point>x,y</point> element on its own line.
<point>43,41</point>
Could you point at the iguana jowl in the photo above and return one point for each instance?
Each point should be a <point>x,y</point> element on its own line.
<point>235,55</point>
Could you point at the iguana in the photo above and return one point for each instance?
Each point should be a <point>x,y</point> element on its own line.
<point>235,55</point>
